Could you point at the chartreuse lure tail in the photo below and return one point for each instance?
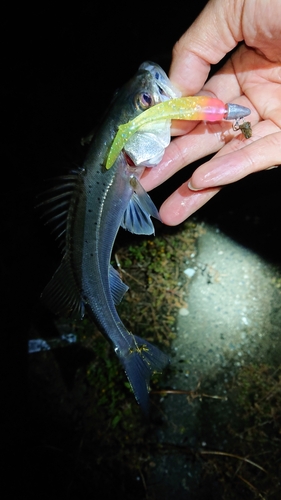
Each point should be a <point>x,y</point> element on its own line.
<point>181,108</point>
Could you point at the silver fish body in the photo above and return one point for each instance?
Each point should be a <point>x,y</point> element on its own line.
<point>99,202</point>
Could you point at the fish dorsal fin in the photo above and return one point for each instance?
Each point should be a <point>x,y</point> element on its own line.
<point>117,287</point>
<point>61,294</point>
<point>56,203</point>
<point>137,216</point>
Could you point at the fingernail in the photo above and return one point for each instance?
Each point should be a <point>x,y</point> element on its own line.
<point>193,188</point>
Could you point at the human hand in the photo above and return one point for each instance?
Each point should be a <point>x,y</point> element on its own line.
<point>251,77</point>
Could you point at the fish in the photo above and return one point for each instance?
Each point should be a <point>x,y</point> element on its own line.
<point>87,207</point>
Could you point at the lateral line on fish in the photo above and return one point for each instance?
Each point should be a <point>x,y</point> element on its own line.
<point>180,108</point>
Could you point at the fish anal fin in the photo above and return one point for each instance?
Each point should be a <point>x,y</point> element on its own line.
<point>117,287</point>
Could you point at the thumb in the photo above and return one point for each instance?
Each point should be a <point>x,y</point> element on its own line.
<point>214,33</point>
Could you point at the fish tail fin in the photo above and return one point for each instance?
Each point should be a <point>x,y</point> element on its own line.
<point>140,362</point>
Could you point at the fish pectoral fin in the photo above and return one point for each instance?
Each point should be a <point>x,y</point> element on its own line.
<point>137,216</point>
<point>117,287</point>
<point>61,294</point>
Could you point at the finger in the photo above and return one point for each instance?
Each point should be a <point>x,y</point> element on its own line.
<point>183,203</point>
<point>240,159</point>
<point>215,32</point>
<point>261,154</point>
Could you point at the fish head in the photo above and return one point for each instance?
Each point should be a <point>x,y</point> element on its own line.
<point>146,147</point>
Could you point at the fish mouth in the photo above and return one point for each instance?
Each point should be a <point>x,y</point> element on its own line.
<point>129,160</point>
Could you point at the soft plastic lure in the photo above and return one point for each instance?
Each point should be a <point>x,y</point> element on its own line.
<point>181,108</point>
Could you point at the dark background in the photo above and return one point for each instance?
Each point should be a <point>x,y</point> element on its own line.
<point>61,66</point>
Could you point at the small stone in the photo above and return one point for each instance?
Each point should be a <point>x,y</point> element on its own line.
<point>189,272</point>
<point>183,311</point>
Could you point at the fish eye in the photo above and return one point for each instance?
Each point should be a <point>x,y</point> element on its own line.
<point>143,100</point>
